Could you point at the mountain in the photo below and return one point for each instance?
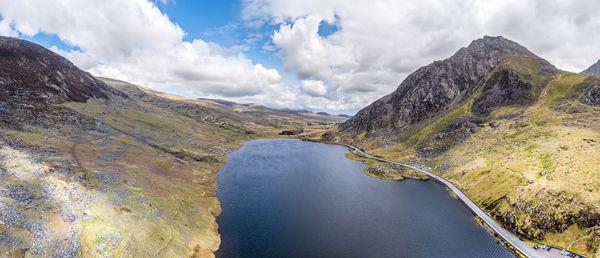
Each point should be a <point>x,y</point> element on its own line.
<point>434,88</point>
<point>222,102</point>
<point>593,70</point>
<point>101,167</point>
<point>519,136</point>
<point>258,111</point>
<point>31,73</point>
<point>34,80</point>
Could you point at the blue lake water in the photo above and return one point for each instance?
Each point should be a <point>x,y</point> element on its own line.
<point>289,198</point>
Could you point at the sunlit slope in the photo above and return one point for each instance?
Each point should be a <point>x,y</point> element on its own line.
<point>129,174</point>
<point>146,180</point>
<point>525,145</point>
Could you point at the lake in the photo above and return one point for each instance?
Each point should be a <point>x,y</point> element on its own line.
<point>290,198</point>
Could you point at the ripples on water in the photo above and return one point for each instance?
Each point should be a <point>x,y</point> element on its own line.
<point>289,198</point>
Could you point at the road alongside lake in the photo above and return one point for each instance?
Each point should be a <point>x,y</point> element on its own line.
<point>291,198</point>
<point>505,234</point>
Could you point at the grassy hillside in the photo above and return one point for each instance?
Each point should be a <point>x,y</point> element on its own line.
<point>125,177</point>
<point>534,164</point>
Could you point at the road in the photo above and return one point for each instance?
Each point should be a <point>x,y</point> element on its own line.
<point>505,234</point>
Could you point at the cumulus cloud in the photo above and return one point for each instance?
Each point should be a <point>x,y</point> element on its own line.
<point>6,29</point>
<point>313,88</point>
<point>380,42</point>
<point>111,28</point>
<point>134,41</point>
<point>302,43</point>
<point>377,44</point>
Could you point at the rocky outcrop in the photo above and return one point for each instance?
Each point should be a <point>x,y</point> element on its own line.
<point>387,171</point>
<point>434,88</point>
<point>506,86</point>
<point>593,70</point>
<point>394,172</point>
<point>455,132</point>
<point>503,88</point>
<point>592,96</point>
<point>551,212</point>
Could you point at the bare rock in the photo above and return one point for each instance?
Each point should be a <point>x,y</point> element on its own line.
<point>434,88</point>
<point>592,96</point>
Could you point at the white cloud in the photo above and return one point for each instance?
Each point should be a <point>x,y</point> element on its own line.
<point>6,30</point>
<point>133,40</point>
<point>313,88</point>
<point>301,43</point>
<point>83,60</point>
<point>110,28</point>
<point>380,42</point>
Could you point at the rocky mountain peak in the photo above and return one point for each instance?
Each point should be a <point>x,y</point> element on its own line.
<point>593,70</point>
<point>490,48</point>
<point>434,88</point>
<point>33,74</point>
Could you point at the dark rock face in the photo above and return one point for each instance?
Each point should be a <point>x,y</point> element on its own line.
<point>435,87</point>
<point>453,133</point>
<point>503,88</point>
<point>327,137</point>
<point>285,132</point>
<point>32,73</point>
<point>507,87</point>
<point>592,96</point>
<point>32,78</point>
<point>542,218</point>
<point>593,70</point>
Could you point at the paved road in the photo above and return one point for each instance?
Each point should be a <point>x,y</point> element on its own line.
<point>505,234</point>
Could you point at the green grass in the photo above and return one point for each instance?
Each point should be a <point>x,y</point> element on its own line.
<point>170,207</point>
<point>503,165</point>
<point>561,87</point>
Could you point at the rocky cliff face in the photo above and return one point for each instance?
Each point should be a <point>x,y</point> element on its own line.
<point>434,88</point>
<point>506,86</point>
<point>592,96</point>
<point>593,70</point>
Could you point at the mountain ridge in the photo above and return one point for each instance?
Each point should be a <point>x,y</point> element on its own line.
<point>522,142</point>
<point>434,88</point>
<point>49,78</point>
<point>593,70</point>
<point>257,109</point>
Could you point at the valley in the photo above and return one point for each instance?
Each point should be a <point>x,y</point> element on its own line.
<point>118,170</point>
<point>93,166</point>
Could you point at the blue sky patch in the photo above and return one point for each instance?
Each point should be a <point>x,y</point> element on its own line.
<point>326,29</point>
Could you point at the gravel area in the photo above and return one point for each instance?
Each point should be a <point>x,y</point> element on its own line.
<point>31,197</point>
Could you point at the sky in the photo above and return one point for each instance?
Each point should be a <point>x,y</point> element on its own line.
<point>336,56</point>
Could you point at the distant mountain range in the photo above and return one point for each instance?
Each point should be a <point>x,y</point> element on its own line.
<point>257,109</point>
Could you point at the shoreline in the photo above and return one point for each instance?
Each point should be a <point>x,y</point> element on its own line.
<point>344,151</point>
<point>520,248</point>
